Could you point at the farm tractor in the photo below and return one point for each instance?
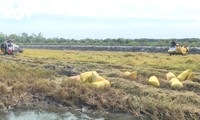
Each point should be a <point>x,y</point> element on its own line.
<point>177,50</point>
<point>10,48</point>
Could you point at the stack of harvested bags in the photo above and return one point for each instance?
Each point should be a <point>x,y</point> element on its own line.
<point>92,77</point>
<point>174,81</point>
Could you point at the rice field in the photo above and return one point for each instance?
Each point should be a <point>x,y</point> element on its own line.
<point>41,78</point>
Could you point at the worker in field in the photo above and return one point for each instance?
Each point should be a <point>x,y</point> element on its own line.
<point>173,43</point>
<point>9,42</point>
<point>10,47</point>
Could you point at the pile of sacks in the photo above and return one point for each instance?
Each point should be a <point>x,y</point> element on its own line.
<point>92,77</point>
<point>175,82</point>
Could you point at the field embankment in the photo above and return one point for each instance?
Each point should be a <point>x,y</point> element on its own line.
<point>41,78</point>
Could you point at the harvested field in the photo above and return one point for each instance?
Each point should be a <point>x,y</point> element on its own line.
<point>40,78</point>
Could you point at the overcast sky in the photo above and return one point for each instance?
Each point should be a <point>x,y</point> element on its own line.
<point>102,19</point>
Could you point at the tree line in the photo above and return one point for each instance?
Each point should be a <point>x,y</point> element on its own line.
<point>39,39</point>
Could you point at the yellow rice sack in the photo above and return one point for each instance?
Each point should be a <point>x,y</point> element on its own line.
<point>191,77</point>
<point>102,83</point>
<point>133,75</point>
<point>126,74</point>
<point>174,80</point>
<point>170,75</point>
<point>153,80</point>
<point>86,76</point>
<point>176,84</point>
<point>183,76</point>
<point>96,77</point>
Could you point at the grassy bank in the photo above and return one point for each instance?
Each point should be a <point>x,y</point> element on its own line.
<point>42,77</point>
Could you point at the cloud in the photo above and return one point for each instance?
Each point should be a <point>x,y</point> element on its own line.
<point>155,9</point>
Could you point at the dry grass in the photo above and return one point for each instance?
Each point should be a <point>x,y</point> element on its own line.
<point>35,75</point>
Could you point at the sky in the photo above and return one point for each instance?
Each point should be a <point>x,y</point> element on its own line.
<point>101,19</point>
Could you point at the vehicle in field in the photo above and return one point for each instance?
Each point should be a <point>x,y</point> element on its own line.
<point>177,50</point>
<point>10,48</point>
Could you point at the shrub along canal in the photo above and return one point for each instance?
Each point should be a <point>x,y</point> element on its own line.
<point>155,49</point>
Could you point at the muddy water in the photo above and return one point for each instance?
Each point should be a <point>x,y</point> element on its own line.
<point>45,115</point>
<point>59,115</point>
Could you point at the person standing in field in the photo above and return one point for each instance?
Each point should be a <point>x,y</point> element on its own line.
<point>173,43</point>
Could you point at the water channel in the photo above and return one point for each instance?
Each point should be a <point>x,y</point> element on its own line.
<point>37,114</point>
